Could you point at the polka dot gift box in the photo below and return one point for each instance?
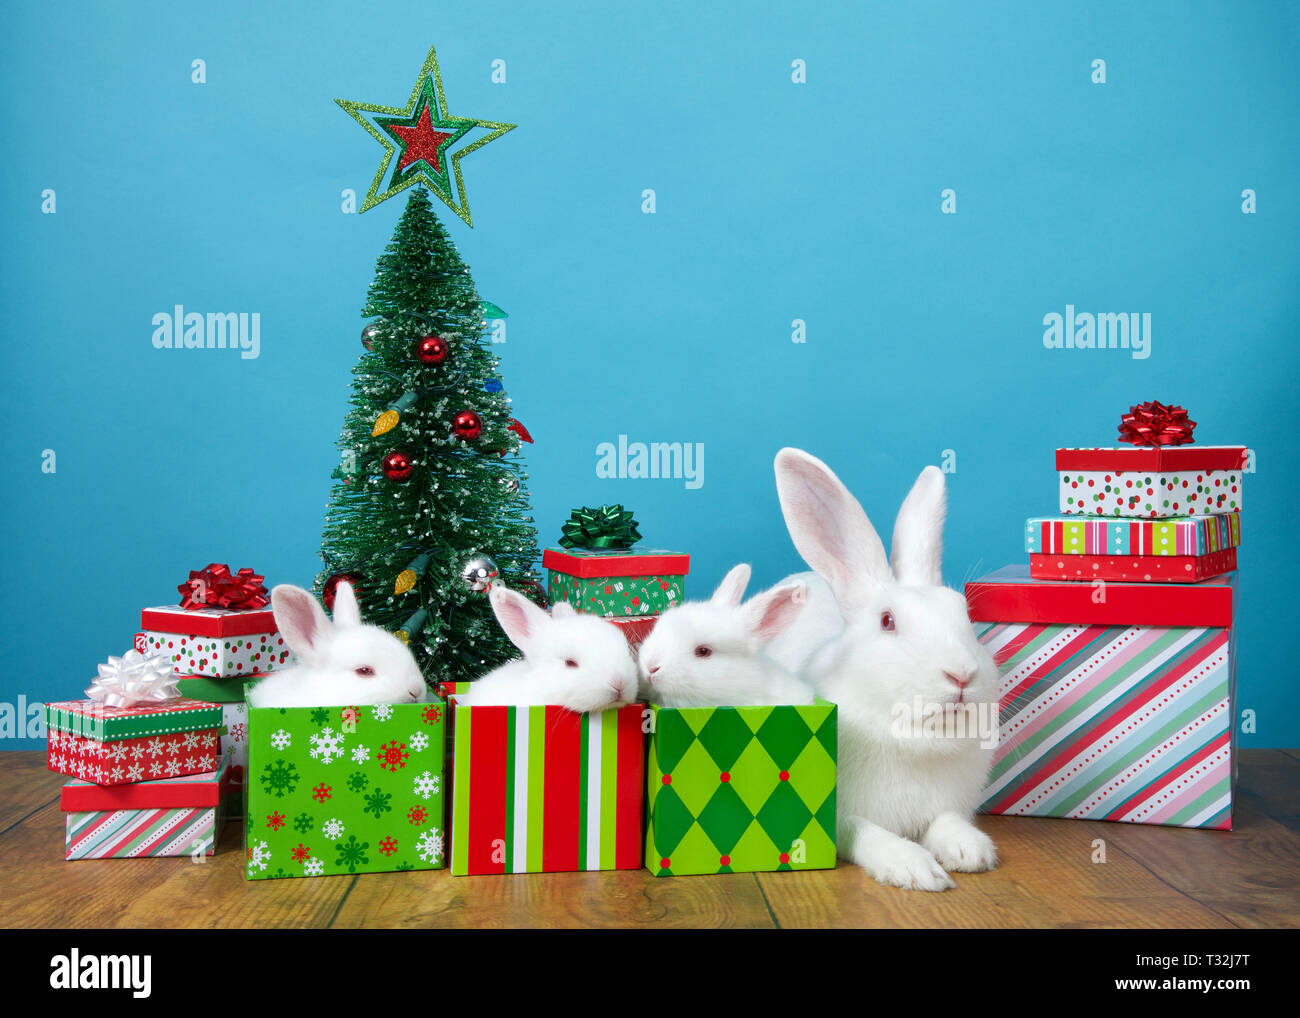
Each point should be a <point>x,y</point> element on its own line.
<point>1151,483</point>
<point>1116,708</point>
<point>220,642</point>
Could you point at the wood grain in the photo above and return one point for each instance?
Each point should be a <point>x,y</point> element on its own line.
<point>1152,877</point>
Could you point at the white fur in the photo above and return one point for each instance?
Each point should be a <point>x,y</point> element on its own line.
<point>330,654</point>
<point>736,671</point>
<point>906,802</point>
<point>580,662</point>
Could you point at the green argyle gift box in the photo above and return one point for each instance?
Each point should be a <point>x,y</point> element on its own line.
<point>344,790</point>
<point>741,789</point>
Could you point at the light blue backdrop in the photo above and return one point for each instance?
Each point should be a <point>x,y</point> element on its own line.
<point>775,201</point>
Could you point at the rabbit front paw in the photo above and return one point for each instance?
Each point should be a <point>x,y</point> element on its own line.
<point>906,864</point>
<point>959,845</point>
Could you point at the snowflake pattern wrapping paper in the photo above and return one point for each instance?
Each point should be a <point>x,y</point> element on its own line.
<point>616,583</point>
<point>1116,710</point>
<point>333,790</point>
<point>122,745</point>
<point>741,789</point>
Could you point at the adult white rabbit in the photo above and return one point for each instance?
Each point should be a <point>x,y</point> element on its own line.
<point>908,790</point>
<point>711,653</point>
<point>344,662</point>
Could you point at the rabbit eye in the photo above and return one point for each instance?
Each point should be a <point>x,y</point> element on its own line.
<point>570,663</point>
<point>703,651</point>
<point>887,621</point>
<point>365,670</point>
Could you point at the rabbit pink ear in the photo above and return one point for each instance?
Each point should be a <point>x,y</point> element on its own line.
<point>301,621</point>
<point>346,610</point>
<point>769,614</point>
<point>918,532</point>
<point>520,619</point>
<point>830,529</point>
<point>732,587</point>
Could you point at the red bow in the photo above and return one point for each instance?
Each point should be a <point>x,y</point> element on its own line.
<point>1156,424</point>
<point>216,587</point>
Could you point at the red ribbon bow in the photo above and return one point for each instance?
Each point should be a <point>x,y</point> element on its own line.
<point>216,587</point>
<point>1156,424</point>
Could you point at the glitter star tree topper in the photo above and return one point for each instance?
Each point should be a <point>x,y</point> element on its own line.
<point>424,137</point>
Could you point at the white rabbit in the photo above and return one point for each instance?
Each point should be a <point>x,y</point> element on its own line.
<point>581,662</point>
<point>340,663</point>
<point>815,627</point>
<point>906,797</point>
<point>710,653</point>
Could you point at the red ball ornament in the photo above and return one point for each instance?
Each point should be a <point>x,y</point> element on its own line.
<point>432,350</point>
<point>467,424</point>
<point>332,585</point>
<point>398,464</point>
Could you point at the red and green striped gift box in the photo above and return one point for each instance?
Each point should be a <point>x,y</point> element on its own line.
<point>544,790</point>
<point>1120,709</point>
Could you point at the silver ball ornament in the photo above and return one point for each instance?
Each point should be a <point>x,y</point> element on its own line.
<point>478,573</point>
<point>369,334</point>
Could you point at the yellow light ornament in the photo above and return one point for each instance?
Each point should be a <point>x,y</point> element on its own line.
<point>391,416</point>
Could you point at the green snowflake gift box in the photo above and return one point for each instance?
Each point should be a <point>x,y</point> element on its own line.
<point>344,790</point>
<point>741,789</point>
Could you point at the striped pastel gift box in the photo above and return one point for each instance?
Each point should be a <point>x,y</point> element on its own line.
<point>542,790</point>
<point>1103,719</point>
<point>1096,535</point>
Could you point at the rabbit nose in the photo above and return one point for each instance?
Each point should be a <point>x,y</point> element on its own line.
<point>652,669</point>
<point>961,681</point>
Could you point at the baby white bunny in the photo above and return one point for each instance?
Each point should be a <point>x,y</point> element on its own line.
<point>907,794</point>
<point>341,663</point>
<point>710,653</point>
<point>570,660</point>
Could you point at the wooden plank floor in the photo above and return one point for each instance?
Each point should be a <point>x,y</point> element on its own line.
<point>1151,877</point>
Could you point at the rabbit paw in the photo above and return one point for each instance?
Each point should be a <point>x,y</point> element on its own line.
<point>959,845</point>
<point>906,864</point>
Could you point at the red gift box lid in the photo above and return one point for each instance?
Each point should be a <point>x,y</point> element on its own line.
<point>1010,595</point>
<point>1158,458</point>
<point>207,621</point>
<point>587,563</point>
<point>186,791</point>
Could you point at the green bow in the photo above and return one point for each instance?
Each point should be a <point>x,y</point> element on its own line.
<point>610,526</point>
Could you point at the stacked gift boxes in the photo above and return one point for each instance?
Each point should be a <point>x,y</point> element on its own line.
<point>597,571</point>
<point>1117,643</point>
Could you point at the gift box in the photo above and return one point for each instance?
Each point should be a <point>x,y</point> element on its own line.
<point>635,629</point>
<point>218,642</point>
<point>616,582</point>
<point>333,790</point>
<point>1151,481</point>
<point>741,789</point>
<point>1117,703</point>
<point>1185,536</point>
<point>544,790</point>
<point>180,816</point>
<point>1133,568</point>
<point>121,745</point>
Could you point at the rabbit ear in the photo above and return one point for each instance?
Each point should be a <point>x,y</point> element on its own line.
<point>346,610</point>
<point>830,529</point>
<point>918,532</point>
<point>562,610</point>
<point>301,621</point>
<point>769,614</point>
<point>732,587</point>
<point>520,619</point>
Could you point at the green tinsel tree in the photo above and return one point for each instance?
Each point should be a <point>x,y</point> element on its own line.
<point>416,504</point>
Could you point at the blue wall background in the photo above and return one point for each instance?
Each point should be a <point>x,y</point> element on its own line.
<point>775,201</point>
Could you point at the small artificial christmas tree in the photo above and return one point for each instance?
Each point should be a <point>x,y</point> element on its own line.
<point>429,501</point>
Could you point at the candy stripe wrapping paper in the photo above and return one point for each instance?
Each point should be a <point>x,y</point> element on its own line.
<point>1106,721</point>
<point>1133,568</point>
<point>1083,535</point>
<point>140,833</point>
<point>541,789</point>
